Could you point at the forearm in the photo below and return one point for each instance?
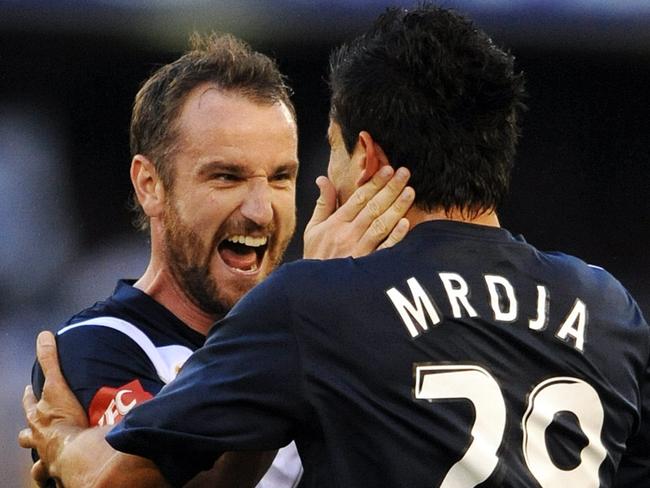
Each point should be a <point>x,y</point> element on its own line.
<point>87,460</point>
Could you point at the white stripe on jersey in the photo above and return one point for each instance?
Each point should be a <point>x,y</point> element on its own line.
<point>166,359</point>
<point>286,470</point>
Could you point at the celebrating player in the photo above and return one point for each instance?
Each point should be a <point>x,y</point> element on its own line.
<point>462,356</point>
<point>214,141</point>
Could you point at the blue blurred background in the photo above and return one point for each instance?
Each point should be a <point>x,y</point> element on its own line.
<point>69,71</point>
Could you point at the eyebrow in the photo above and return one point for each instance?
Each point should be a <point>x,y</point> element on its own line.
<point>239,170</point>
<point>291,168</point>
<point>213,166</point>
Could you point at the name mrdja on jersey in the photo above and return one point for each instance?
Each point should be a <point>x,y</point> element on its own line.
<point>419,309</point>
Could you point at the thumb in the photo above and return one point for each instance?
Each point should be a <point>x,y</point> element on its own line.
<point>326,203</point>
<point>47,357</point>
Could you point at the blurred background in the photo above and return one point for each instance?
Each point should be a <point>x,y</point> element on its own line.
<point>69,71</point>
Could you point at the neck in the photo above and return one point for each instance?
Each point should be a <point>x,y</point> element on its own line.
<point>160,284</point>
<point>417,216</point>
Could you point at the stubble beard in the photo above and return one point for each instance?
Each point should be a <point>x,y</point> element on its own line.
<point>189,261</point>
<point>190,267</point>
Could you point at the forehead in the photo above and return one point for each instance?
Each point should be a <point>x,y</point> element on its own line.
<point>218,124</point>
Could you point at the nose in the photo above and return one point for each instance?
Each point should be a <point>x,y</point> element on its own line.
<point>256,205</point>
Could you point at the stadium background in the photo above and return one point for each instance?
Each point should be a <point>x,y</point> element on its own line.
<point>69,71</point>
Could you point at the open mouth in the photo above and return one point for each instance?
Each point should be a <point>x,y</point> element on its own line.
<point>243,253</point>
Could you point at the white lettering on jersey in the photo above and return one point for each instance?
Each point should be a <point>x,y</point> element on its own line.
<point>574,325</point>
<point>420,310</point>
<point>509,313</point>
<point>117,408</point>
<point>542,310</point>
<point>110,415</point>
<point>109,404</point>
<point>457,294</point>
<point>119,403</point>
<point>415,308</point>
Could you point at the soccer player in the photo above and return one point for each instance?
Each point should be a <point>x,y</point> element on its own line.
<point>462,356</point>
<point>214,146</point>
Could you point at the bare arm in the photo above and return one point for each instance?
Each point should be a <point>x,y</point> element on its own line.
<point>79,457</point>
<point>371,219</point>
<point>88,460</point>
<point>70,452</point>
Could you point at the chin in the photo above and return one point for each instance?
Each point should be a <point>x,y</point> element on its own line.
<point>234,288</point>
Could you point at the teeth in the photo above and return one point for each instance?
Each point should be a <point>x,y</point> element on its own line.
<point>251,269</point>
<point>248,240</point>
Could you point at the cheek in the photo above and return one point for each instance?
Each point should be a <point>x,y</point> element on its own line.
<point>201,220</point>
<point>216,207</point>
<point>338,167</point>
<point>334,166</point>
<point>285,208</point>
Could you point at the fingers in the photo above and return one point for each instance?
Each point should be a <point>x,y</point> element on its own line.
<point>40,473</point>
<point>384,230</point>
<point>365,221</point>
<point>25,436</point>
<point>326,203</point>
<point>363,195</point>
<point>386,199</point>
<point>47,357</point>
<point>398,233</point>
<point>26,439</point>
<point>29,401</point>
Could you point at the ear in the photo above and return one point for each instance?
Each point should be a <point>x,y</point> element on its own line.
<point>147,185</point>
<point>374,157</point>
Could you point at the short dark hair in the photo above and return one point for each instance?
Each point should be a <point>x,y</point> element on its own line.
<point>221,59</point>
<point>439,98</point>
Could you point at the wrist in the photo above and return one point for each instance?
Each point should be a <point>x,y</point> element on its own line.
<point>59,450</point>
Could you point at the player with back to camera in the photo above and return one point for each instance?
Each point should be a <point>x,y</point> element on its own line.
<point>462,356</point>
<point>214,144</point>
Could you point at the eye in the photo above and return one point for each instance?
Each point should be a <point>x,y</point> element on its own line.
<point>226,177</point>
<point>283,176</point>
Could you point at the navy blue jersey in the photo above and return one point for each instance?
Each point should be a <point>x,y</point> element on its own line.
<point>120,352</point>
<point>128,342</point>
<point>461,357</point>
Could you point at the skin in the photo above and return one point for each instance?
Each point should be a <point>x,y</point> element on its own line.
<point>363,215</point>
<point>54,422</point>
<point>349,171</point>
<point>234,178</point>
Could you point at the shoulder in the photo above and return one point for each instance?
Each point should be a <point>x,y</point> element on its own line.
<point>111,340</point>
<point>269,308</point>
<point>578,272</point>
<point>606,295</point>
<point>102,347</point>
<point>309,270</point>
<point>106,336</point>
<point>96,354</point>
<point>294,282</point>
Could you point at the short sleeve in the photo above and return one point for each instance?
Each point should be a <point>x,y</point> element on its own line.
<point>241,391</point>
<point>95,358</point>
